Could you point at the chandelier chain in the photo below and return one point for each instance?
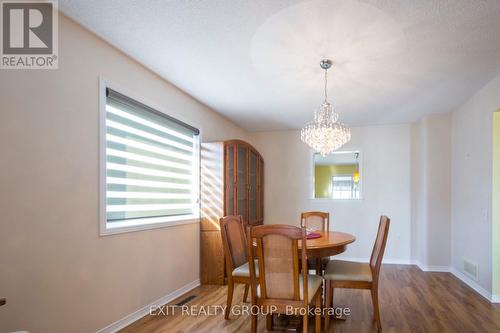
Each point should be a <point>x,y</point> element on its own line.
<point>326,85</point>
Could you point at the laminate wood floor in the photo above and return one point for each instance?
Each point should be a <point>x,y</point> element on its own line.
<point>410,301</point>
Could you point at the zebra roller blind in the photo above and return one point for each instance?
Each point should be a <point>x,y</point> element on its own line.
<point>151,164</point>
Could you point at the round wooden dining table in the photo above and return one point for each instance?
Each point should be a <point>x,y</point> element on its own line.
<point>329,244</point>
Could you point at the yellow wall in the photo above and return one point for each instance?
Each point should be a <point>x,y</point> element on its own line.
<point>323,177</point>
<point>496,204</point>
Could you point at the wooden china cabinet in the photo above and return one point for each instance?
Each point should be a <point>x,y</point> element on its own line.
<point>232,178</point>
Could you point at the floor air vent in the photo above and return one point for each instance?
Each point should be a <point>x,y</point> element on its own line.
<point>470,269</point>
<point>185,300</point>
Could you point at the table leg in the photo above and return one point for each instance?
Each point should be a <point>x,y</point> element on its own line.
<point>319,269</point>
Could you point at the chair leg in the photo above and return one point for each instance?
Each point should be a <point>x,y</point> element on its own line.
<point>376,311</point>
<point>245,295</point>
<point>305,322</point>
<point>318,314</point>
<point>254,323</point>
<point>230,289</point>
<point>269,322</point>
<point>328,303</point>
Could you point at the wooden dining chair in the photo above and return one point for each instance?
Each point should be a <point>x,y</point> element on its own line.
<point>235,251</point>
<point>318,221</point>
<point>356,275</point>
<point>280,283</point>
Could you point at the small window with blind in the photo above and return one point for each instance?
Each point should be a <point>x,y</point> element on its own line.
<point>150,167</point>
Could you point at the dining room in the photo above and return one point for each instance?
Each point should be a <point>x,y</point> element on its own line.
<point>249,166</point>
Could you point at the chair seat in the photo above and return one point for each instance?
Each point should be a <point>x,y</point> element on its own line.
<point>244,270</point>
<point>340,270</point>
<point>313,283</point>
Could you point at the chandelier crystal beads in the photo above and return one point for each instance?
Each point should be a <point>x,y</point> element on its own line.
<point>325,133</point>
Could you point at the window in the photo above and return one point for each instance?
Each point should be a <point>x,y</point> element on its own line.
<point>151,167</point>
<point>344,187</point>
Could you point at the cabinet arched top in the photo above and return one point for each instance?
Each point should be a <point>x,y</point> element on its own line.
<point>244,143</point>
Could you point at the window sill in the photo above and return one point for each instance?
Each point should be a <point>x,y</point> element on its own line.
<point>147,224</point>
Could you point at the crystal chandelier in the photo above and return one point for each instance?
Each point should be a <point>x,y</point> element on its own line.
<point>325,134</point>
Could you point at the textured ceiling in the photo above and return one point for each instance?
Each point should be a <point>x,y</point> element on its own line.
<point>257,61</point>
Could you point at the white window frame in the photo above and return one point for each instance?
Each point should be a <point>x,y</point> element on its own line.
<point>139,223</point>
<point>360,183</point>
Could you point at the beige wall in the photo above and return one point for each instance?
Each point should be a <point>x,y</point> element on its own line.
<point>471,181</point>
<point>58,275</point>
<point>496,206</point>
<point>431,224</point>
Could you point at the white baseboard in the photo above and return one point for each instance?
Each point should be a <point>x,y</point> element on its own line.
<point>129,319</point>
<point>473,284</point>
<point>464,278</point>
<point>442,269</point>
<point>397,261</point>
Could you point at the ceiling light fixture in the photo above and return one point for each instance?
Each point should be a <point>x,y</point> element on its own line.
<point>325,133</point>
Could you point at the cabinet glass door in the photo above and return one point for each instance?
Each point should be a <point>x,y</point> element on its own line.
<point>242,182</point>
<point>230,180</point>
<point>252,193</point>
<point>260,190</point>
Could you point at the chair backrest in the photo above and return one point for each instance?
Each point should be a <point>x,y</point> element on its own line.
<point>278,258</point>
<point>234,242</point>
<point>379,246</point>
<point>315,220</point>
